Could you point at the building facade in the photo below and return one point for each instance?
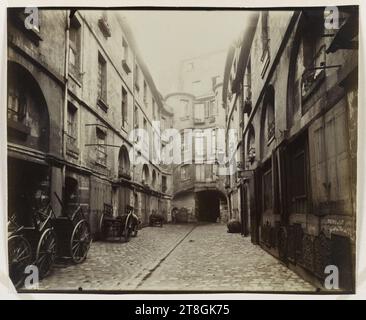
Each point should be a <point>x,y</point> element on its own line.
<point>293,80</point>
<point>198,188</point>
<point>77,88</point>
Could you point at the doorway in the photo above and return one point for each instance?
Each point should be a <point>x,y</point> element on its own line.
<point>208,206</point>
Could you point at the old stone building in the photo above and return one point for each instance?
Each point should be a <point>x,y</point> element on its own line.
<point>290,87</point>
<point>77,87</point>
<point>198,188</point>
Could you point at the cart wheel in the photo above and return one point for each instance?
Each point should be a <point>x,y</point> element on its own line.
<point>46,252</point>
<point>102,229</point>
<point>80,241</point>
<point>20,256</point>
<point>134,230</point>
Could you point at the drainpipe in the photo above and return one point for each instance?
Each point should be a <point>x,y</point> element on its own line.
<point>66,78</point>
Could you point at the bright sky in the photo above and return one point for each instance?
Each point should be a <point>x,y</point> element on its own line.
<point>165,38</point>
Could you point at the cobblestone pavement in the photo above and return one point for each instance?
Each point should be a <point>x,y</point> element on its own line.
<point>178,257</point>
<point>209,258</point>
<point>117,265</point>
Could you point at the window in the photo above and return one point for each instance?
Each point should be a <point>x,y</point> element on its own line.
<point>199,112</point>
<point>185,107</point>
<point>75,46</point>
<point>16,105</point>
<point>200,151</point>
<point>208,172</point>
<point>153,180</point>
<point>251,144</point>
<point>104,25</point>
<point>145,174</point>
<point>145,140</point>
<point>184,175</point>
<point>247,89</point>
<point>124,107</point>
<point>102,78</point>
<point>124,163</point>
<point>125,54</point>
<point>136,117</point>
<point>182,143</point>
<point>207,109</point>
<point>101,151</point>
<point>72,129</point>
<point>212,146</point>
<point>200,172</point>
<point>267,190</point>
<point>269,105</point>
<point>312,31</point>
<point>164,185</point>
<point>298,175</point>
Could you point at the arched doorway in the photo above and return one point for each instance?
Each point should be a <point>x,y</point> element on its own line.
<point>124,192</point>
<point>209,204</point>
<point>27,112</point>
<point>28,128</point>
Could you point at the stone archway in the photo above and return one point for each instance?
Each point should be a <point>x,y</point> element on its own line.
<point>209,205</point>
<point>28,128</point>
<point>27,111</point>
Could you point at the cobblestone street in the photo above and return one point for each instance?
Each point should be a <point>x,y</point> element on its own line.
<point>178,257</point>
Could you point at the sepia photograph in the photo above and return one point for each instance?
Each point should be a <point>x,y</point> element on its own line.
<point>182,150</point>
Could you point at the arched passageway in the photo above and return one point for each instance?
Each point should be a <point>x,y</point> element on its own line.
<point>208,205</point>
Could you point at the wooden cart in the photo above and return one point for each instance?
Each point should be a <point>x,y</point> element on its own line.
<point>49,237</point>
<point>34,245</point>
<point>123,226</point>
